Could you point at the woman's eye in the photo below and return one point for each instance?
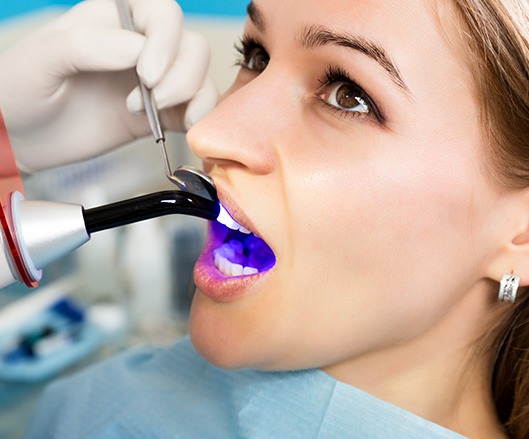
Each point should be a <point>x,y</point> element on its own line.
<point>258,60</point>
<point>340,94</point>
<point>346,97</point>
<point>253,55</point>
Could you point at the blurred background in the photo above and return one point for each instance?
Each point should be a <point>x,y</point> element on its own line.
<point>126,287</point>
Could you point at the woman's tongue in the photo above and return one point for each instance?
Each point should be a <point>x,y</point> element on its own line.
<point>233,251</point>
<point>252,252</point>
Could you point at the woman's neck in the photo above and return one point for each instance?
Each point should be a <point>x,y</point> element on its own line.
<point>437,376</point>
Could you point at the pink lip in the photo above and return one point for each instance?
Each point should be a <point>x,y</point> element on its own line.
<point>213,284</point>
<point>208,279</point>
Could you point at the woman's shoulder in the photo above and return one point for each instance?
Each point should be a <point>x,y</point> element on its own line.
<point>173,392</point>
<point>140,389</point>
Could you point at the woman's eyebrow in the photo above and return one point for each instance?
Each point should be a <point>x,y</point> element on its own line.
<point>256,16</point>
<point>317,36</point>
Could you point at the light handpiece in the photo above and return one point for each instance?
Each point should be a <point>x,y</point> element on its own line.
<point>37,233</point>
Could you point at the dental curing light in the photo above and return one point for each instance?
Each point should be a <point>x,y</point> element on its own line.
<point>37,233</point>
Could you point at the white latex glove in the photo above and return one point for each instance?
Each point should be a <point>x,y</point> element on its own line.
<point>65,89</point>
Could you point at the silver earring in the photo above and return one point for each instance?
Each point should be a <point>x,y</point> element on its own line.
<point>508,288</point>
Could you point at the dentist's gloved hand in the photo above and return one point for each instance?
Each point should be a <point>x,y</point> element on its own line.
<point>68,90</point>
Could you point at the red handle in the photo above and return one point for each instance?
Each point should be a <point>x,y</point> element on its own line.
<point>10,182</point>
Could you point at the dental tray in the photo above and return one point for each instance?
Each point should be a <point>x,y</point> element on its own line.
<point>50,341</point>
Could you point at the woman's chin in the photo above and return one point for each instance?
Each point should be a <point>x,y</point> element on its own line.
<point>213,352</point>
<point>218,338</point>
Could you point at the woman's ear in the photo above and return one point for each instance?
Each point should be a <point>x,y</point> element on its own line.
<point>512,254</point>
<point>520,248</point>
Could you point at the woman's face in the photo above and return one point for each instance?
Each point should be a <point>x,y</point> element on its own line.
<point>349,143</point>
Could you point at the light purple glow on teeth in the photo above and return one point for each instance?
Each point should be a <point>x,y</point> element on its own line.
<point>233,251</point>
<point>260,255</point>
<point>246,250</point>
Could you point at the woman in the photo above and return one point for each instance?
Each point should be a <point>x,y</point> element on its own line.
<point>379,152</point>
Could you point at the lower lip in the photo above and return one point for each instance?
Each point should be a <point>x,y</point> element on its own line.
<point>213,284</point>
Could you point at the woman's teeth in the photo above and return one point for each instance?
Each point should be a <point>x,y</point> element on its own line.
<point>242,253</point>
<point>228,268</point>
<point>225,218</point>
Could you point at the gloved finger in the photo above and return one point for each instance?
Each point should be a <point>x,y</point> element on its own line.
<point>184,78</point>
<point>91,49</point>
<point>187,74</point>
<point>182,117</point>
<point>202,103</point>
<point>161,21</point>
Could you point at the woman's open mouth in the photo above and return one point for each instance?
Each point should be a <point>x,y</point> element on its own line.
<point>241,252</point>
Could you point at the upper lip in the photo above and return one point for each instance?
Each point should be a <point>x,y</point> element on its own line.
<point>235,211</point>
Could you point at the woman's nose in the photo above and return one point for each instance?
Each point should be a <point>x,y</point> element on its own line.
<point>240,131</point>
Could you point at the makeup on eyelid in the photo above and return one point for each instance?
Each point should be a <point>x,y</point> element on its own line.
<point>336,85</point>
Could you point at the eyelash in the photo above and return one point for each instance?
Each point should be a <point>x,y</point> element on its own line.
<point>335,76</point>
<point>247,47</point>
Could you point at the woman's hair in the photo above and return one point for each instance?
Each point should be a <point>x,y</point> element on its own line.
<point>495,34</point>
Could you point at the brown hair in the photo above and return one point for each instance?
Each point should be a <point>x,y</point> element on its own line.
<point>496,36</point>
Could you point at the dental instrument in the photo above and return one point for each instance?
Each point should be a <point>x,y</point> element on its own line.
<point>151,109</point>
<point>34,234</point>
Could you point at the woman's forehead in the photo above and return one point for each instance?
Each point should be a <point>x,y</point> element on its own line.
<point>414,38</point>
<point>392,22</point>
<point>350,11</point>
